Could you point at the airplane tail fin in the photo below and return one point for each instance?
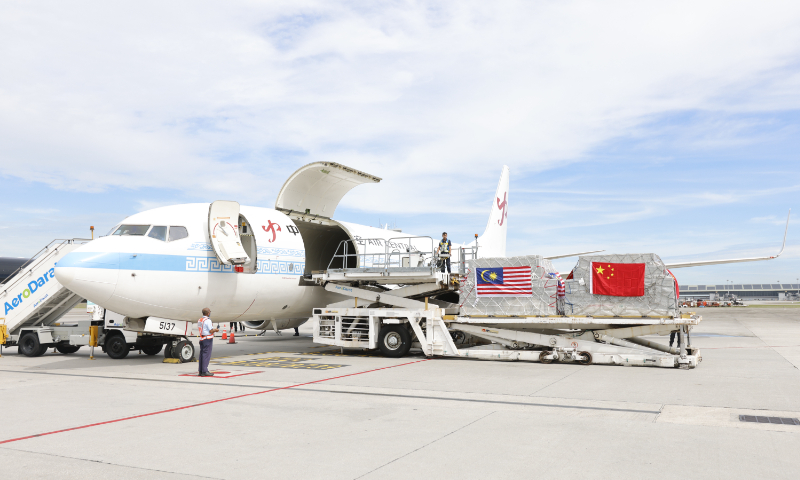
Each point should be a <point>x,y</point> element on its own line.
<point>493,241</point>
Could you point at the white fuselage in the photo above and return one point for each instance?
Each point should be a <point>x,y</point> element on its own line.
<point>139,276</point>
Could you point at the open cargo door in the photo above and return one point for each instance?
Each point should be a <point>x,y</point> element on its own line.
<point>223,219</point>
<point>317,188</point>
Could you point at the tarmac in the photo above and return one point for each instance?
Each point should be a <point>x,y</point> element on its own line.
<point>283,407</point>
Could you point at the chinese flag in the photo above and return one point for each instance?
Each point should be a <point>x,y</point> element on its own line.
<point>618,279</point>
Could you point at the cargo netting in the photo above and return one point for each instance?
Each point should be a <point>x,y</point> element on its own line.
<point>543,281</point>
<point>659,298</point>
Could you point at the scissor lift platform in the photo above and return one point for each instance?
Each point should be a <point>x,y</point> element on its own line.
<point>582,340</point>
<point>383,276</point>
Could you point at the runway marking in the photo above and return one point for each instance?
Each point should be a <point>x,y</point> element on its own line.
<point>264,353</point>
<point>331,354</point>
<point>283,362</point>
<point>219,374</point>
<point>346,392</point>
<point>204,403</point>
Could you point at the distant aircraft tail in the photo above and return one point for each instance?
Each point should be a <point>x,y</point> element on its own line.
<point>493,241</point>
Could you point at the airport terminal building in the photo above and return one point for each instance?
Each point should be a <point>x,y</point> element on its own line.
<point>751,291</point>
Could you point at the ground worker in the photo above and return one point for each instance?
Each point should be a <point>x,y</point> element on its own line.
<point>206,333</point>
<point>561,298</point>
<point>444,249</point>
<point>672,336</point>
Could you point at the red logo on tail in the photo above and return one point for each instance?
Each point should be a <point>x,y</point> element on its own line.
<point>271,228</point>
<point>503,210</point>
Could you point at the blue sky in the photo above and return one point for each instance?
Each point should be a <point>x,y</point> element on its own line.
<point>627,126</point>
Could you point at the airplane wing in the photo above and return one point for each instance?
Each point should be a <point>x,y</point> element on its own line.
<point>572,254</point>
<point>734,260</point>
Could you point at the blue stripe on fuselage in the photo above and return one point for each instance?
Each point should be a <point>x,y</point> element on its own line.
<point>170,263</point>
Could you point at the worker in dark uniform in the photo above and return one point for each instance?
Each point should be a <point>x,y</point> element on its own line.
<point>672,335</point>
<point>444,249</point>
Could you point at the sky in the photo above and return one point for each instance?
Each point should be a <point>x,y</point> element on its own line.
<point>628,126</point>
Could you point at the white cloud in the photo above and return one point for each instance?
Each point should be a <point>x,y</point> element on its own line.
<point>775,220</point>
<point>37,211</point>
<point>205,97</point>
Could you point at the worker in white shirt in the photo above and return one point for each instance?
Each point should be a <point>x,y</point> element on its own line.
<point>206,332</point>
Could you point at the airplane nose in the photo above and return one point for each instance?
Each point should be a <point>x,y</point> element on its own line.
<point>92,275</point>
<point>65,275</point>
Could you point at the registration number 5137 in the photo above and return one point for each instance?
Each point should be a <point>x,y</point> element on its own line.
<point>164,325</point>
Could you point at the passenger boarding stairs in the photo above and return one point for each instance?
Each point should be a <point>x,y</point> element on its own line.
<point>31,296</point>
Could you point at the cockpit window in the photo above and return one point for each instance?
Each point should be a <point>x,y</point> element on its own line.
<point>176,233</point>
<point>132,230</point>
<point>112,230</point>
<point>159,233</point>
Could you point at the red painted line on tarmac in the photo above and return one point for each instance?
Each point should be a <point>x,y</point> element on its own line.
<point>201,404</point>
<point>219,374</point>
<point>756,346</point>
<point>239,375</point>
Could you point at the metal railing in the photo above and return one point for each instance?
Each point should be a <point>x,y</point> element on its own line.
<point>400,254</point>
<point>465,254</point>
<point>39,256</point>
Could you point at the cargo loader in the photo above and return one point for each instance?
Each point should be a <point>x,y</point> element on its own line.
<point>398,305</point>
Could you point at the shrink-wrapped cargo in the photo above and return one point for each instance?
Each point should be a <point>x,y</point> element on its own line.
<point>658,297</point>
<point>640,286</point>
<point>534,297</point>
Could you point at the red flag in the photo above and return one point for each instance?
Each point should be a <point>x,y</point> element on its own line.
<point>618,279</point>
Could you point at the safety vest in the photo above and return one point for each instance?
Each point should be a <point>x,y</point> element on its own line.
<point>444,246</point>
<point>200,329</point>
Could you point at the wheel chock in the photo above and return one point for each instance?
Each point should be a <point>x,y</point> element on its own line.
<point>178,360</point>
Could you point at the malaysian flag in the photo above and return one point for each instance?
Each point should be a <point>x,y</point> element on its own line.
<point>504,282</point>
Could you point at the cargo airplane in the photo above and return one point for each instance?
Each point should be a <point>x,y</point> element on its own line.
<point>247,264</point>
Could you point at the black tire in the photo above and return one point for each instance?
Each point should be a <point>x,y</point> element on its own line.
<point>152,349</point>
<point>543,355</point>
<point>184,351</point>
<point>67,349</point>
<point>587,358</point>
<point>30,347</point>
<point>168,350</point>
<point>394,341</point>
<point>116,347</point>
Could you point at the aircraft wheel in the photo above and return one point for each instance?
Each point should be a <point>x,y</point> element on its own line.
<point>116,347</point>
<point>394,341</point>
<point>587,360</point>
<point>184,351</point>
<point>543,357</point>
<point>67,349</point>
<point>168,350</point>
<point>30,347</point>
<point>151,349</point>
